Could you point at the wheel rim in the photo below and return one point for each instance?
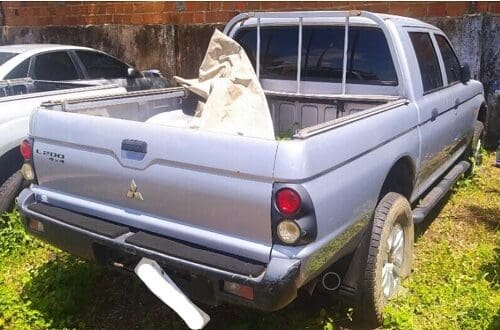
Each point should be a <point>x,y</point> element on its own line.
<point>394,260</point>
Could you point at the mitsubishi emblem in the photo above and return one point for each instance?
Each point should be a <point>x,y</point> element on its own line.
<point>133,193</point>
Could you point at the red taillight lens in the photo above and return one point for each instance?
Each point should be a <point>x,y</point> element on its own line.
<point>26,149</point>
<point>288,201</point>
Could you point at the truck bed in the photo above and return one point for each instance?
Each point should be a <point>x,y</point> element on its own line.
<point>290,112</point>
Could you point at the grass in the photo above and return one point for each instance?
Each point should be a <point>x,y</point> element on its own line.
<point>454,284</point>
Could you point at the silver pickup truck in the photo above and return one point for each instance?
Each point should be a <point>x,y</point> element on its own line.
<point>380,120</point>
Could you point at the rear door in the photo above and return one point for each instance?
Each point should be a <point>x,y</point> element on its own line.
<point>464,112</point>
<point>210,189</point>
<point>435,105</point>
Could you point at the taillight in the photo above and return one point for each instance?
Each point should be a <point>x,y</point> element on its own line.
<point>288,201</point>
<point>26,151</point>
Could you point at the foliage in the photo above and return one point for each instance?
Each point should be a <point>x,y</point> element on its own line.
<point>13,239</point>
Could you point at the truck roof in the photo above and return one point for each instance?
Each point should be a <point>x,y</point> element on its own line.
<point>401,20</point>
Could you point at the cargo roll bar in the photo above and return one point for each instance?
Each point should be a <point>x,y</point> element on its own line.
<point>300,15</point>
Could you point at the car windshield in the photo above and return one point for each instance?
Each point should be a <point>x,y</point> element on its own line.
<point>4,57</point>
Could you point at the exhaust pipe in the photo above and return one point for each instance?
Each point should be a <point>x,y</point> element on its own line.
<point>331,281</point>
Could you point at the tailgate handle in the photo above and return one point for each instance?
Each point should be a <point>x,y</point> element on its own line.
<point>135,146</point>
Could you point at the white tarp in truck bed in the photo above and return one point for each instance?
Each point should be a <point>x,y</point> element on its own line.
<point>235,102</point>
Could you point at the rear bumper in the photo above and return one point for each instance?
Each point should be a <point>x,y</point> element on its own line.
<point>200,273</point>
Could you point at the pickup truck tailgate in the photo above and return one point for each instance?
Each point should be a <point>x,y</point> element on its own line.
<point>194,184</point>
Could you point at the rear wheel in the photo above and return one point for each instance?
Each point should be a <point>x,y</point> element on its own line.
<point>9,191</point>
<point>390,254</point>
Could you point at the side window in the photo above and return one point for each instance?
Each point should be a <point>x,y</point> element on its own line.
<point>102,66</point>
<point>451,63</point>
<point>54,66</point>
<point>427,60</point>
<point>20,71</point>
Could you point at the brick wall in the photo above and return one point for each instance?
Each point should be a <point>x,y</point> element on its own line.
<point>26,13</point>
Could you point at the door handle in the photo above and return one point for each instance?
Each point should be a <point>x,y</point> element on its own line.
<point>457,103</point>
<point>134,149</point>
<point>434,114</point>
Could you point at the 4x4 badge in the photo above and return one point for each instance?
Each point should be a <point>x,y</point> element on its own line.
<point>133,193</point>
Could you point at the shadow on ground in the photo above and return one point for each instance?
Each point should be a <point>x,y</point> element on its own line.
<point>489,216</point>
<point>75,293</point>
<point>72,293</point>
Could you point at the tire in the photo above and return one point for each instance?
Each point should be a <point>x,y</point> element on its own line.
<point>393,217</point>
<point>10,163</point>
<point>473,152</point>
<point>9,190</point>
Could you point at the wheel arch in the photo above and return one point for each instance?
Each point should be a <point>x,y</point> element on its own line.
<point>481,114</point>
<point>400,178</point>
<point>10,162</point>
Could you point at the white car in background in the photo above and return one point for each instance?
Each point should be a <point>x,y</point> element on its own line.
<point>65,63</point>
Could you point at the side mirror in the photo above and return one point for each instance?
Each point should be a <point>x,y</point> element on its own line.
<point>464,73</point>
<point>133,73</point>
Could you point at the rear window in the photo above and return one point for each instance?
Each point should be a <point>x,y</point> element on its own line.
<point>4,57</point>
<point>278,49</point>
<point>369,59</point>
<point>322,53</point>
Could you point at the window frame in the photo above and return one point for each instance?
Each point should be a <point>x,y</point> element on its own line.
<point>34,59</point>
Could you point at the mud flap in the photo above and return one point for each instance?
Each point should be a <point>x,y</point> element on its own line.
<point>164,288</point>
